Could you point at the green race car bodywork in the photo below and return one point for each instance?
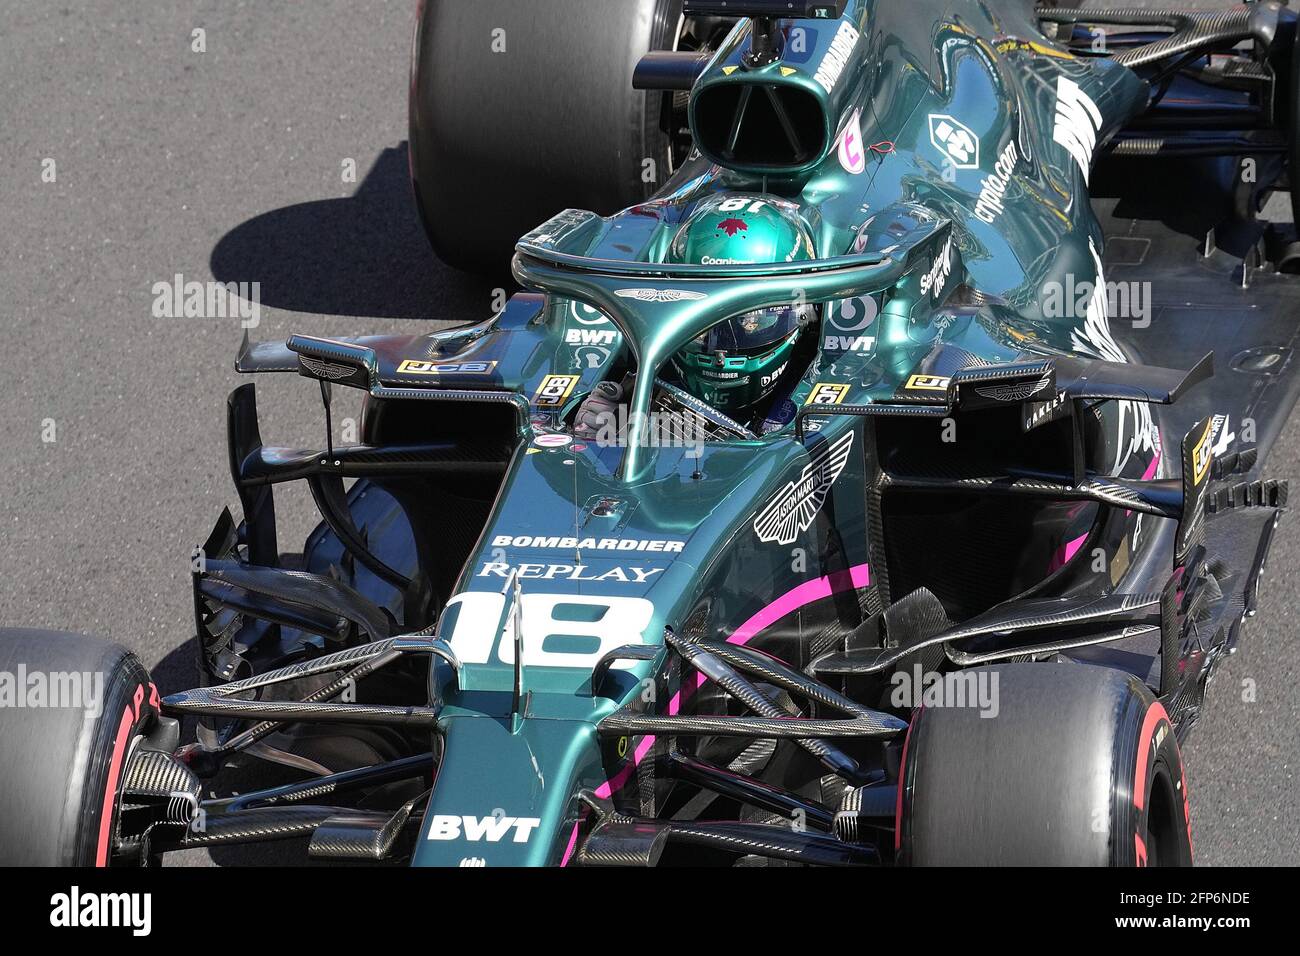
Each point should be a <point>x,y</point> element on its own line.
<point>964,420</point>
<point>908,227</point>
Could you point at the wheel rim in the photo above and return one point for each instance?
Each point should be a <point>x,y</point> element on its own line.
<point>1162,830</point>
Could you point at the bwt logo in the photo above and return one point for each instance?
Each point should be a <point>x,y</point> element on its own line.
<point>493,829</point>
<point>589,337</point>
<point>75,909</point>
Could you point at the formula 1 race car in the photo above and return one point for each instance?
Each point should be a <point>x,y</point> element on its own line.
<point>881,485</point>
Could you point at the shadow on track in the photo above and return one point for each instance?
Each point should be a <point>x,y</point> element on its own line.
<point>363,255</point>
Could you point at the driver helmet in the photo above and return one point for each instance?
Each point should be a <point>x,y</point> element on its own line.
<point>739,361</point>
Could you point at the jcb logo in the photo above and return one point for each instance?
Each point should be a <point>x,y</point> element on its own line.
<point>412,367</point>
<point>933,383</point>
<point>474,829</point>
<point>826,393</point>
<point>554,390</point>
<point>1202,454</point>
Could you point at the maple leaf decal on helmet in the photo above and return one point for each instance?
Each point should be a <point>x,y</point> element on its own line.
<point>733,226</point>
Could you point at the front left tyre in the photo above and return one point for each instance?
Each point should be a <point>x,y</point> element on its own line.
<point>1070,765</point>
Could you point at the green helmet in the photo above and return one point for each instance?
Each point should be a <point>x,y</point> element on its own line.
<point>739,361</point>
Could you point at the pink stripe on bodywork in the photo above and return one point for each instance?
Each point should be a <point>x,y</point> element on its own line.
<point>1065,552</point>
<point>1153,467</point>
<point>858,576</point>
<point>573,845</point>
<point>1071,548</point>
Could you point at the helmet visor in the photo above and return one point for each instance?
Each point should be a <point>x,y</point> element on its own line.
<point>751,333</point>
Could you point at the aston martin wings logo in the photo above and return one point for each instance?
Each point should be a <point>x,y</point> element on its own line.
<point>332,371</point>
<point>660,295</point>
<point>1014,392</point>
<point>792,510</point>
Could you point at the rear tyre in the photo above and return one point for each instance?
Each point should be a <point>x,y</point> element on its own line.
<point>1078,765</point>
<point>64,750</point>
<point>516,115</point>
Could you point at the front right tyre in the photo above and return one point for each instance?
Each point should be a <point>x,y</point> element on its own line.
<point>74,708</point>
<point>519,110</point>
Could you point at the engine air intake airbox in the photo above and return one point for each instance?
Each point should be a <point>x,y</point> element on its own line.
<point>779,117</point>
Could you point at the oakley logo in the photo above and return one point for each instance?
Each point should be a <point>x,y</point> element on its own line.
<point>1042,412</point>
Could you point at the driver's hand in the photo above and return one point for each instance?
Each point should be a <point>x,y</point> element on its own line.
<point>599,409</point>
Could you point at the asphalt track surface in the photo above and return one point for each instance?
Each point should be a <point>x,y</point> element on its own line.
<point>229,164</point>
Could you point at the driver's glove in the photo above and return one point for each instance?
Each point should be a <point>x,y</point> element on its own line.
<point>599,411</point>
